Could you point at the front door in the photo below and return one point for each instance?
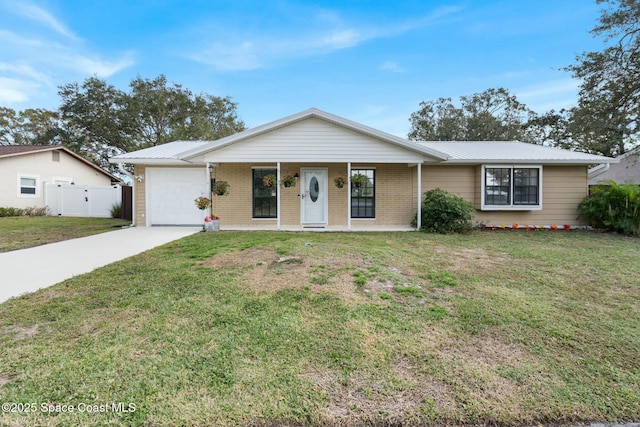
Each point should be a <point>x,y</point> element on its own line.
<point>313,197</point>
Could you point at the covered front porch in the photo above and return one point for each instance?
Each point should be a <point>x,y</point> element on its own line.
<point>327,229</point>
<point>387,197</point>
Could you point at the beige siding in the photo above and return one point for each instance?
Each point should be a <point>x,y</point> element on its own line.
<point>395,196</point>
<point>396,191</point>
<point>139,194</point>
<point>563,188</point>
<point>312,140</point>
<point>41,166</point>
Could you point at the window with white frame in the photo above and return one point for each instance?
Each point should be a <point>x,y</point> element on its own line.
<point>27,186</point>
<point>511,187</point>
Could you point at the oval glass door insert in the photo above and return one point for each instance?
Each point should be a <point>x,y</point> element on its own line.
<point>314,189</point>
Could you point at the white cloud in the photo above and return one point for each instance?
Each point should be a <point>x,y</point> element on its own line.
<point>391,66</point>
<point>25,70</point>
<point>38,14</point>
<point>226,57</point>
<point>100,67</point>
<point>342,39</point>
<point>33,62</point>
<point>552,94</point>
<point>11,38</point>
<point>13,90</point>
<point>325,33</point>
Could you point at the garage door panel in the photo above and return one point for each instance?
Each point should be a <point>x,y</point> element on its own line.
<point>171,193</point>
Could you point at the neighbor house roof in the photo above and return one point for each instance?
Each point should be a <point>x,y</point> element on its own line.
<point>628,170</point>
<point>17,150</point>
<point>465,152</point>
<point>21,150</point>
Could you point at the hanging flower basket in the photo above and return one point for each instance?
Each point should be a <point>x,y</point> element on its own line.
<point>359,179</point>
<point>202,202</point>
<point>221,188</point>
<point>269,180</point>
<point>340,181</point>
<point>289,181</point>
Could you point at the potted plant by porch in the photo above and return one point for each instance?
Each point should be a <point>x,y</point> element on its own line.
<point>289,181</point>
<point>340,181</point>
<point>212,222</point>
<point>359,179</point>
<point>220,188</point>
<point>269,180</point>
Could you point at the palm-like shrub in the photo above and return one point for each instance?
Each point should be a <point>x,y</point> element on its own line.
<point>613,207</point>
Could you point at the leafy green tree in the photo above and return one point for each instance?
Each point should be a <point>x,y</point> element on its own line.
<point>29,127</point>
<point>610,90</point>
<point>597,129</point>
<point>438,120</point>
<point>551,129</point>
<point>103,121</point>
<point>96,117</point>
<point>493,115</point>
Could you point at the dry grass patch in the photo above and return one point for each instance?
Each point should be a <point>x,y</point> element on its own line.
<point>471,259</point>
<point>20,332</point>
<point>264,271</point>
<point>399,396</point>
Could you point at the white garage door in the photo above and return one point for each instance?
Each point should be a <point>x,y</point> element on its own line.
<point>171,193</point>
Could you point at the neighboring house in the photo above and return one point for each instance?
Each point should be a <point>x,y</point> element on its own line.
<point>26,169</point>
<point>507,181</point>
<point>627,171</point>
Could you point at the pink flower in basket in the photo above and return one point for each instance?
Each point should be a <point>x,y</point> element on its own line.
<point>211,217</point>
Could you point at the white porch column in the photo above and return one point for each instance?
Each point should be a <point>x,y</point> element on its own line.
<point>419,218</point>
<point>207,173</point>
<point>349,195</point>
<point>278,194</point>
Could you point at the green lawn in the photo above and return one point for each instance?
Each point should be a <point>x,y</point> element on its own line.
<point>267,328</point>
<point>26,231</point>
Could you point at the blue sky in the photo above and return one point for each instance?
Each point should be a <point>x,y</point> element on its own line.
<point>368,61</point>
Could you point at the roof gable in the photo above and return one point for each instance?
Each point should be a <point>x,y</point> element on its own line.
<point>313,114</point>
<point>23,150</point>
<point>311,140</point>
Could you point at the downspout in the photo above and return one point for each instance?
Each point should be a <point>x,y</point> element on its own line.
<point>133,193</point>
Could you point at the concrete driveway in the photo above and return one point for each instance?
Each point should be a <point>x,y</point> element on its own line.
<point>28,270</point>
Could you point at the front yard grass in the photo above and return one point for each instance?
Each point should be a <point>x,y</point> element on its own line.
<point>29,231</point>
<point>266,328</point>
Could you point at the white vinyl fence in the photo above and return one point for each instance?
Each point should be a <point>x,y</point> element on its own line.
<point>81,200</point>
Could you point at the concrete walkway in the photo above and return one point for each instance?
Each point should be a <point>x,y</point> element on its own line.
<point>28,270</point>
